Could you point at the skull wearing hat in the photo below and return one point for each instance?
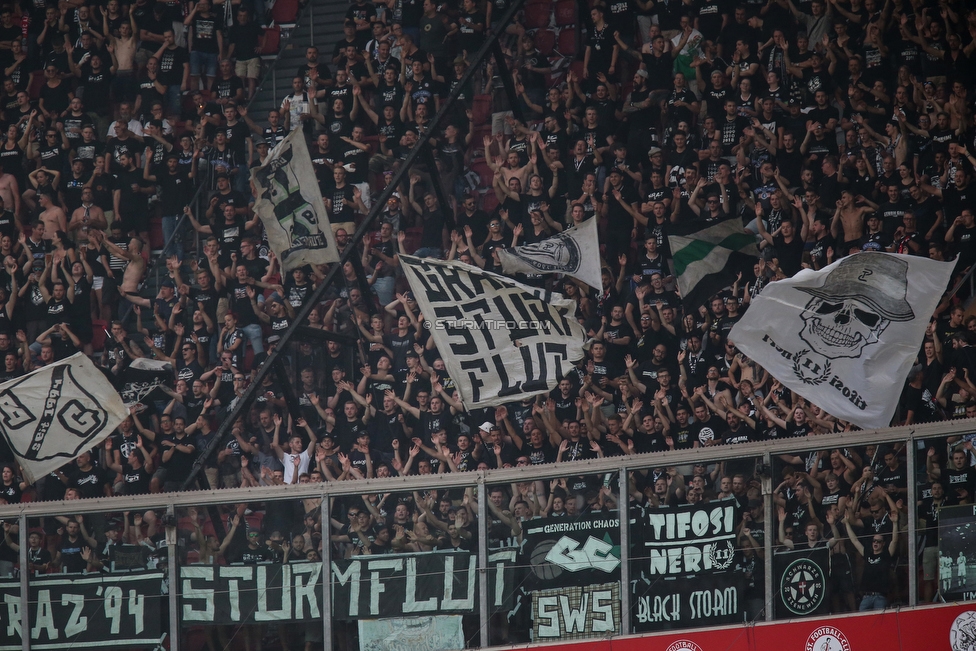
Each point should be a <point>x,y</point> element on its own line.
<point>858,300</point>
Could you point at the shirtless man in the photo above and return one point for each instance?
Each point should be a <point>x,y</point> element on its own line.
<point>134,269</point>
<point>850,218</point>
<point>52,216</point>
<point>10,192</point>
<point>88,214</point>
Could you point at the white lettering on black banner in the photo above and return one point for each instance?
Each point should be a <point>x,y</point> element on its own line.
<point>250,594</point>
<point>408,584</point>
<point>100,610</point>
<point>573,613</point>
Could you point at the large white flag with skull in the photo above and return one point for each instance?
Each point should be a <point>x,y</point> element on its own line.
<point>845,337</point>
<point>51,415</point>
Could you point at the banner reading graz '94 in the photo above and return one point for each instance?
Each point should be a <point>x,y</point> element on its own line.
<point>250,594</point>
<point>683,566</point>
<point>77,611</point>
<point>397,585</point>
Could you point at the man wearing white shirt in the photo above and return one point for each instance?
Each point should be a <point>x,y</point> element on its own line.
<point>293,468</point>
<point>125,115</point>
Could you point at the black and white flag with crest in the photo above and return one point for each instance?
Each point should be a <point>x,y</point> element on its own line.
<point>290,206</point>
<point>574,252</point>
<point>52,415</point>
<point>845,337</point>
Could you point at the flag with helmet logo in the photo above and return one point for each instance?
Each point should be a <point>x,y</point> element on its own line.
<point>846,336</point>
<point>50,416</point>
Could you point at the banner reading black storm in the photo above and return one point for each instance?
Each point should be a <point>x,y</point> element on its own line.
<point>683,566</point>
<point>572,576</point>
<point>404,585</point>
<point>97,610</point>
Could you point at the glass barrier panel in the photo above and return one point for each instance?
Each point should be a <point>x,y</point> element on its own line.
<point>405,570</point>
<point>841,541</point>
<point>945,481</point>
<point>697,552</point>
<point>95,580</point>
<point>250,573</point>
<point>564,538</point>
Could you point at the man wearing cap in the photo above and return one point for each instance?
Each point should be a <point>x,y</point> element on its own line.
<point>875,239</point>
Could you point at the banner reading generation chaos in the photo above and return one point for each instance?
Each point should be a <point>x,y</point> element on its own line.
<point>104,611</point>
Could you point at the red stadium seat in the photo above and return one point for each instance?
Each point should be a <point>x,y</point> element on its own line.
<point>34,85</point>
<point>566,13</point>
<point>490,202</point>
<point>537,15</point>
<point>284,11</point>
<point>545,40</point>
<point>484,172</point>
<point>566,43</point>
<point>156,241</point>
<point>481,110</point>
<point>98,335</point>
<point>272,41</point>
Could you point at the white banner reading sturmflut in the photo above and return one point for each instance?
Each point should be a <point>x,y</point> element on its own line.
<point>846,336</point>
<point>574,252</point>
<point>51,415</point>
<point>501,340</point>
<point>290,206</point>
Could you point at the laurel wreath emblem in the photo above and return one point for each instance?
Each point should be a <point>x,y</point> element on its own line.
<point>798,370</point>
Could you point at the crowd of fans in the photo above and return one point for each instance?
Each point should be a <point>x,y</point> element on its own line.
<point>829,128</point>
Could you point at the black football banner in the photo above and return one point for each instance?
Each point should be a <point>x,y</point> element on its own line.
<point>683,566</point>
<point>404,585</point>
<point>957,551</point>
<point>801,582</point>
<point>250,594</point>
<point>77,611</point>
<point>569,552</point>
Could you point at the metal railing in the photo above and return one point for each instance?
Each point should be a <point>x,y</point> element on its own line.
<point>482,479</point>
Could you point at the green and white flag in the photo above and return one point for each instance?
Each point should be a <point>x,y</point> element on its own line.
<point>707,258</point>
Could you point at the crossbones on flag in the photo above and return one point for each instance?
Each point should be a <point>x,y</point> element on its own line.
<point>845,337</point>
<point>501,341</point>
<point>52,415</point>
<point>574,252</point>
<point>290,206</point>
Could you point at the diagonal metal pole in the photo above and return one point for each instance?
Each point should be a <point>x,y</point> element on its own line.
<point>506,76</point>
<point>336,268</point>
<point>291,400</point>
